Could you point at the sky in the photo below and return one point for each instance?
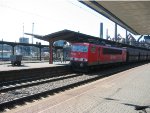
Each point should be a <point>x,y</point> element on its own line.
<point>50,16</point>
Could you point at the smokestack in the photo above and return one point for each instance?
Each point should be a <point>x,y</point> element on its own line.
<point>107,33</point>
<point>101,30</point>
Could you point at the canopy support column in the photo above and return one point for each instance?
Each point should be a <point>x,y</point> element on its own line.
<point>51,53</point>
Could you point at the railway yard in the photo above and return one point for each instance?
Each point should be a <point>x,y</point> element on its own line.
<point>54,88</point>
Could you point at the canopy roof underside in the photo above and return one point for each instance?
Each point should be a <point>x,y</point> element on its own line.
<point>131,15</point>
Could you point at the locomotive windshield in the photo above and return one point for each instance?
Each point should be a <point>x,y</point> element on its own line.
<point>79,48</point>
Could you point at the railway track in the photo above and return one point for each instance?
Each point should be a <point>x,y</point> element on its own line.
<point>33,78</point>
<point>16,94</point>
<point>10,87</point>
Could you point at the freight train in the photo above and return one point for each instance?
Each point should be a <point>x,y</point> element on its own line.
<point>85,56</point>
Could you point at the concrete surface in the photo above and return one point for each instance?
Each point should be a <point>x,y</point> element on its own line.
<point>119,93</point>
<point>8,67</point>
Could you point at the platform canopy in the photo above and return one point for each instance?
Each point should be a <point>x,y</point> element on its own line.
<point>131,15</point>
<point>69,36</point>
<point>74,37</point>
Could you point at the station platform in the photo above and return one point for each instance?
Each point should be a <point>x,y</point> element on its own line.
<point>124,92</point>
<point>26,65</point>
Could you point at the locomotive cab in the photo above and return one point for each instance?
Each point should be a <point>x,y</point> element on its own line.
<point>79,55</point>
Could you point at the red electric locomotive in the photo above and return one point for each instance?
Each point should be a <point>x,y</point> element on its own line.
<point>85,55</point>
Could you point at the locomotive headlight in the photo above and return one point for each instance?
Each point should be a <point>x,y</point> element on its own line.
<point>75,59</point>
<point>84,59</point>
<point>81,59</point>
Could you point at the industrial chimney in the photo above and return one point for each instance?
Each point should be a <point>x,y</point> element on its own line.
<point>101,30</point>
